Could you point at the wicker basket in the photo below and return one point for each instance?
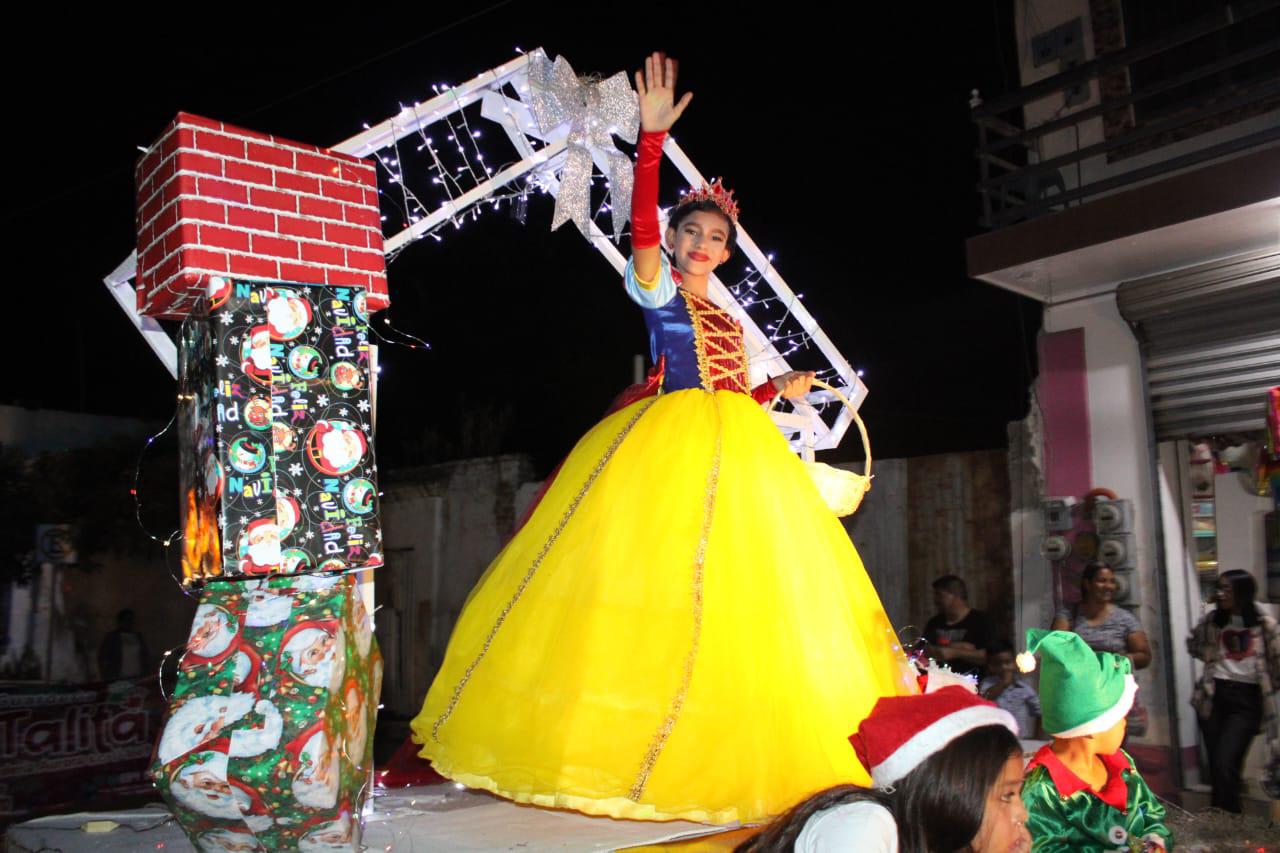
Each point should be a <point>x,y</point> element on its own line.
<point>842,490</point>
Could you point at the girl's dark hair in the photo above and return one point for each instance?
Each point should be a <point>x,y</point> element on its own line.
<point>1243,589</point>
<point>780,836</point>
<point>938,806</point>
<point>681,213</point>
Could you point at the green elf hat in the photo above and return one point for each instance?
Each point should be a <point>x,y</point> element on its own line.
<point>1082,692</point>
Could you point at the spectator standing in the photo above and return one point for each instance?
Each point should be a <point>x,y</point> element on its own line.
<point>1004,685</point>
<point>958,635</point>
<point>1101,623</point>
<point>1235,698</point>
<point>123,653</point>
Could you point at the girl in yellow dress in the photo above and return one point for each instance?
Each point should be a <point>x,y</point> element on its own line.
<point>682,628</point>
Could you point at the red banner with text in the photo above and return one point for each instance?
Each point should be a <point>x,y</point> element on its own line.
<point>67,748</point>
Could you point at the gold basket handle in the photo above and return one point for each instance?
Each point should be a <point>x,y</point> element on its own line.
<point>862,428</point>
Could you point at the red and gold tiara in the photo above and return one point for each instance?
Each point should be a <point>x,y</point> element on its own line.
<point>716,193</point>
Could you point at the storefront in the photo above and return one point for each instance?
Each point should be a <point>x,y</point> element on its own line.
<point>1209,336</point>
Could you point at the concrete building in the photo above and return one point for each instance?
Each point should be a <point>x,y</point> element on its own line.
<point>442,526</point>
<point>1132,186</point>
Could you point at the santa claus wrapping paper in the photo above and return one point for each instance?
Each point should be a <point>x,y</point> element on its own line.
<point>278,469</point>
<point>268,742</point>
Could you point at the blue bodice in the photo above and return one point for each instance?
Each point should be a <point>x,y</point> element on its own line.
<point>700,342</point>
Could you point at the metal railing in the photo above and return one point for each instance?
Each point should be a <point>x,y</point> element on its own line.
<point>1016,183</point>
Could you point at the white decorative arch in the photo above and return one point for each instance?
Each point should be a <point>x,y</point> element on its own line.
<point>503,94</point>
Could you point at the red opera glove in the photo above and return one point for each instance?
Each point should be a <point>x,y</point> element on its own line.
<point>644,195</point>
<point>764,392</point>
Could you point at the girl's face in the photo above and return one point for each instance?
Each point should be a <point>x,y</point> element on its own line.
<point>701,243</point>
<point>1225,595</point>
<point>1102,586</point>
<point>1004,820</point>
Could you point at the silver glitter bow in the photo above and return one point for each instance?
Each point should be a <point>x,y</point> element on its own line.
<point>595,110</point>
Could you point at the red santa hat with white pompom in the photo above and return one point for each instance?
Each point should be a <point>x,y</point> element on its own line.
<point>903,731</point>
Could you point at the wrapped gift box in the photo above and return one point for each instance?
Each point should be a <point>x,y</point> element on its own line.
<point>268,744</point>
<point>278,473</point>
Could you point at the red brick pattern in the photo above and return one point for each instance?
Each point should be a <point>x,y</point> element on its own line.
<point>216,198</point>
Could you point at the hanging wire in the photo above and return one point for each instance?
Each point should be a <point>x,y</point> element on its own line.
<point>176,535</point>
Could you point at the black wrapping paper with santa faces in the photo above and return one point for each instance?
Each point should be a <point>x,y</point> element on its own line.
<point>278,473</point>
<point>269,740</point>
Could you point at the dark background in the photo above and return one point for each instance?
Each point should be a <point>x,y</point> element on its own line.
<point>844,131</point>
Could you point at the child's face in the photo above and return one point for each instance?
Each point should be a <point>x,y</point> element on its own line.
<point>1000,664</point>
<point>1224,594</point>
<point>701,243</point>
<point>1106,743</point>
<point>1004,819</point>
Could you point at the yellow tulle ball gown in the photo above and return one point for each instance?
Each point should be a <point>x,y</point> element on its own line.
<point>681,629</point>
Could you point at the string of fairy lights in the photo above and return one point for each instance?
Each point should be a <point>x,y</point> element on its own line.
<point>443,160</point>
<point>429,169</point>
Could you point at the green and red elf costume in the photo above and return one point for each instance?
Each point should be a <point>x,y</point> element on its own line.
<point>1084,692</point>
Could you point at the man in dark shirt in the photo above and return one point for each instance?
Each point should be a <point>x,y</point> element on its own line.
<point>958,635</point>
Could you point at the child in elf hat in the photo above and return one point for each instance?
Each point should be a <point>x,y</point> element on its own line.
<point>1082,791</point>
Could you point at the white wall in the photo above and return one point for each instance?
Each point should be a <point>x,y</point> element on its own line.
<point>1240,535</point>
<point>1122,462</point>
<point>1031,18</point>
<point>1185,601</point>
<point>442,526</point>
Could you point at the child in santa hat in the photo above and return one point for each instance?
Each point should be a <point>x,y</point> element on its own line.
<point>947,768</point>
<point>1082,790</point>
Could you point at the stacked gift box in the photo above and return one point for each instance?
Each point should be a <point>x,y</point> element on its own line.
<point>268,745</point>
<point>278,473</point>
<point>270,253</point>
<point>268,739</point>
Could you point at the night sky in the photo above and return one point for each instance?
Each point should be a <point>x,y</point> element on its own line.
<point>844,133</point>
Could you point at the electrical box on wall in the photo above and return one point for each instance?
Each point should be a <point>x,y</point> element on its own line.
<point>1117,551</point>
<point>1113,516</point>
<point>1057,514</point>
<point>1055,548</point>
<point>1064,42</point>
<point>1126,587</point>
<point>1065,45</point>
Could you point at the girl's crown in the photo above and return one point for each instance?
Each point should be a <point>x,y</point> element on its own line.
<point>716,193</point>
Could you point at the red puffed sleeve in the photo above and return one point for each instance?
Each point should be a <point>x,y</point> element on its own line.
<point>764,392</point>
